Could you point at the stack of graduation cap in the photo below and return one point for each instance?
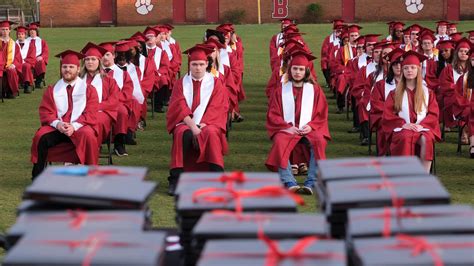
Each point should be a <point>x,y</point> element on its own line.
<point>219,225</point>
<point>86,215</point>
<point>198,193</point>
<point>345,184</point>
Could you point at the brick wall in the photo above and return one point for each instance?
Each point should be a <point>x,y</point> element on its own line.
<point>127,14</point>
<point>467,9</point>
<point>65,13</point>
<point>390,9</point>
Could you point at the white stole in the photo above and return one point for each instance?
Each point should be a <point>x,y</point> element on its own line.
<point>157,57</point>
<point>166,47</point>
<point>79,98</point>
<point>388,88</point>
<point>207,87</point>
<point>456,76</point>
<point>370,69</point>
<point>405,112</point>
<point>39,47</point>
<point>224,56</point>
<point>362,61</point>
<point>118,75</point>
<point>279,39</point>
<point>288,102</point>
<point>97,83</point>
<point>141,63</point>
<point>24,49</point>
<point>172,40</point>
<point>137,87</point>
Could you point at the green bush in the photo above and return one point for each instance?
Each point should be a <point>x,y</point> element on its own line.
<point>235,16</point>
<point>313,13</point>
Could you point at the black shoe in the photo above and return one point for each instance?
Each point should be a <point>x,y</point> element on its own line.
<point>120,151</point>
<point>27,89</point>
<point>159,110</point>
<point>38,83</point>
<point>340,110</point>
<point>354,130</point>
<point>364,142</point>
<point>239,118</point>
<point>129,140</point>
<point>10,96</point>
<point>172,184</point>
<point>471,151</point>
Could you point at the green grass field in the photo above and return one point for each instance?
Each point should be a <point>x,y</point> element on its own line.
<point>248,140</point>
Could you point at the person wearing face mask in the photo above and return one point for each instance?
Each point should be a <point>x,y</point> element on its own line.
<point>197,119</point>
<point>410,117</point>
<point>453,83</point>
<point>68,114</point>
<point>297,113</point>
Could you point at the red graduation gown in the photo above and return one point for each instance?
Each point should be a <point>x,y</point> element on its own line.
<point>211,140</point>
<point>125,108</point>
<point>284,143</point>
<point>471,117</point>
<point>273,48</point>
<point>431,67</point>
<point>325,49</point>
<point>404,142</point>
<point>84,139</point>
<point>454,102</point>
<point>147,84</point>
<point>161,72</point>
<point>11,74</point>
<point>29,62</point>
<point>40,66</point>
<point>107,109</point>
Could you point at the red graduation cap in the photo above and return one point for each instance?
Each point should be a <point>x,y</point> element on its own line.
<point>138,36</point>
<point>224,28</point>
<point>92,49</point>
<point>150,31</point>
<point>448,44</point>
<point>109,46</point>
<point>361,40</point>
<point>442,23</point>
<point>295,48</point>
<point>412,58</point>
<point>415,27</point>
<point>407,32</point>
<point>463,43</point>
<point>301,58</point>
<point>371,38</point>
<point>230,26</point>
<point>162,28</point>
<point>427,35</point>
<point>198,52</point>
<point>293,35</point>
<point>6,24</point>
<point>169,26</point>
<point>455,36</point>
<point>70,57</point>
<point>21,29</point>
<point>132,43</point>
<point>452,25</point>
<point>337,23</point>
<point>33,26</point>
<point>394,55</point>
<point>398,25</point>
<point>354,28</point>
<point>215,43</point>
<point>381,45</point>
<point>390,23</point>
<point>286,21</point>
<point>291,28</point>
<point>122,46</point>
<point>471,33</point>
<point>344,33</point>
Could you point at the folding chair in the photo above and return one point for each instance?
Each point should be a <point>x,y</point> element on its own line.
<point>62,153</point>
<point>108,143</point>
<point>433,163</point>
<point>460,131</point>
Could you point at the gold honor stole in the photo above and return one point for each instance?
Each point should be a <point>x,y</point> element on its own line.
<point>10,51</point>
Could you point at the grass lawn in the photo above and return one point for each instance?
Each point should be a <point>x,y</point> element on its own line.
<point>249,143</point>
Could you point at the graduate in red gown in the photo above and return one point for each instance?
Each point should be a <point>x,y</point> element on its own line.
<point>297,112</point>
<point>328,43</point>
<point>470,37</point>
<point>380,93</point>
<point>106,88</point>
<point>441,31</point>
<point>42,53</point>
<point>277,40</point>
<point>197,119</point>
<point>10,61</point>
<point>470,87</point>
<point>452,82</point>
<point>68,114</point>
<point>125,106</point>
<point>28,56</point>
<point>410,117</point>
<point>430,65</point>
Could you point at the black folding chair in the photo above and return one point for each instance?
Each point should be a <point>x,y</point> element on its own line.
<point>108,143</point>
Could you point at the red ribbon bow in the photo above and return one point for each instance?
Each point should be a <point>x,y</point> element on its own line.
<point>229,194</point>
<point>102,172</point>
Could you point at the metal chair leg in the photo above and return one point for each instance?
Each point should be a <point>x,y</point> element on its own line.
<point>153,103</point>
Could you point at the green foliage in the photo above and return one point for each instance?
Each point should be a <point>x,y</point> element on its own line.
<point>234,16</point>
<point>313,13</point>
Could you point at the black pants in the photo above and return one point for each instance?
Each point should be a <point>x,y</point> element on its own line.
<point>160,97</point>
<point>46,142</point>
<point>364,130</point>
<point>188,145</point>
<point>341,100</point>
<point>355,113</point>
<point>327,76</point>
